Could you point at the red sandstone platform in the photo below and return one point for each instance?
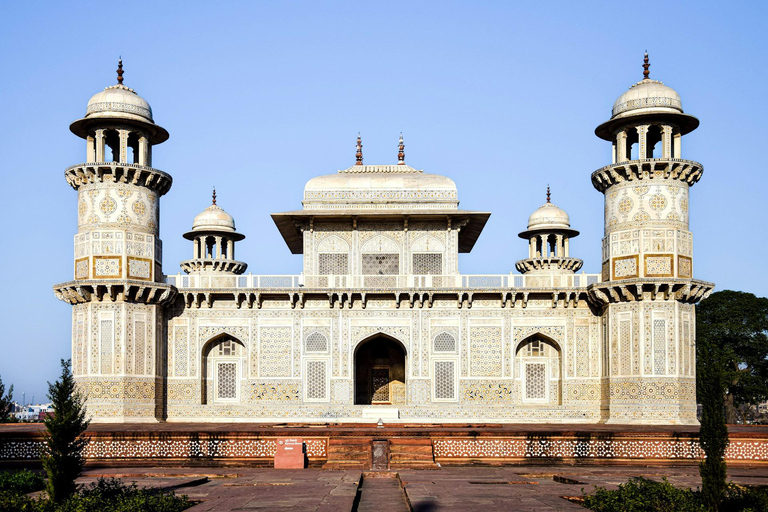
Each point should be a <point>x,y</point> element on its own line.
<point>393,446</point>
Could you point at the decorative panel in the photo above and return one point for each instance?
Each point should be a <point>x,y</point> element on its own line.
<point>81,268</point>
<point>380,384</point>
<point>535,381</point>
<point>445,380</point>
<point>180,351</point>
<point>226,380</point>
<point>316,342</point>
<point>658,265</point>
<point>485,351</point>
<point>139,339</point>
<point>659,345</point>
<point>427,264</point>
<point>106,339</point>
<point>684,267</point>
<point>139,268</point>
<point>381,264</point>
<point>106,267</point>
<point>444,342</point>
<point>332,264</point>
<point>316,380</point>
<point>275,352</point>
<point>625,267</point>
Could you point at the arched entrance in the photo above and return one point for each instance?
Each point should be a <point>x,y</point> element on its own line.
<point>380,372</point>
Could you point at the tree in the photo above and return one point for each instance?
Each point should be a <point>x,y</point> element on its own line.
<point>737,322</point>
<point>713,433</point>
<point>63,456</point>
<point>6,402</point>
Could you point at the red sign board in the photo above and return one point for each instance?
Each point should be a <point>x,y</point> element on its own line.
<point>289,453</point>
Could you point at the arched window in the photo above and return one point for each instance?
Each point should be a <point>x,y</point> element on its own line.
<point>539,370</point>
<point>444,342</point>
<point>223,365</point>
<point>316,342</point>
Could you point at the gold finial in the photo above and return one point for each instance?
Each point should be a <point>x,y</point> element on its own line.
<point>214,195</point>
<point>359,154</point>
<point>548,194</point>
<point>120,71</point>
<point>646,65</point>
<point>401,151</point>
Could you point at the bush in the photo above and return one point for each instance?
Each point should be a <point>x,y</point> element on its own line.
<point>642,495</point>
<point>22,481</point>
<point>105,495</point>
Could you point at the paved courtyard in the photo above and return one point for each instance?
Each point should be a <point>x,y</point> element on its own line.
<point>525,488</point>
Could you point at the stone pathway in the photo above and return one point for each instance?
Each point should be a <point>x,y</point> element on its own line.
<point>452,489</point>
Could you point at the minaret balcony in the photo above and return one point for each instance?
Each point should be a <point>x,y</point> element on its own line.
<point>549,264</point>
<point>118,172</point>
<point>217,265</point>
<point>687,171</point>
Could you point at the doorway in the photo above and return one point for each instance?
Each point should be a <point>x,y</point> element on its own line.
<point>380,372</point>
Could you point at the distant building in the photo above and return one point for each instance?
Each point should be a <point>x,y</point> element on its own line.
<point>381,323</point>
<point>30,412</point>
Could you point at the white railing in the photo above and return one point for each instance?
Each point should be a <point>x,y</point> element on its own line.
<point>461,281</point>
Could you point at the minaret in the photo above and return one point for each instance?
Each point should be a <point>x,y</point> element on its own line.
<point>647,293</point>
<point>118,292</point>
<point>548,234</point>
<point>213,233</point>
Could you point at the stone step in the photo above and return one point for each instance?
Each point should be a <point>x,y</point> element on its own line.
<point>384,414</point>
<point>349,453</point>
<point>411,453</point>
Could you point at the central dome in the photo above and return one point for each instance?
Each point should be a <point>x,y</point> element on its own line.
<point>213,218</point>
<point>380,187</point>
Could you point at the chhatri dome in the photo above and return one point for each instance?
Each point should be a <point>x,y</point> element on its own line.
<point>548,217</point>
<point>213,219</point>
<point>647,98</point>
<point>119,102</point>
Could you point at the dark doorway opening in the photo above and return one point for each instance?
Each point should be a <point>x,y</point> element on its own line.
<point>380,372</point>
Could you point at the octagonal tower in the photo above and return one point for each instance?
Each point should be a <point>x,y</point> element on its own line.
<point>118,291</point>
<point>647,291</point>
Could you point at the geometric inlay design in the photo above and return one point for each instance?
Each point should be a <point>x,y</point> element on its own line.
<point>380,385</point>
<point>139,268</point>
<point>445,378</point>
<point>316,342</point>
<point>275,357</point>
<point>333,264</point>
<point>485,351</point>
<point>106,267</point>
<point>658,265</point>
<point>427,264</point>
<point>381,264</point>
<point>226,374</point>
<point>445,342</point>
<point>625,267</point>
<point>535,381</point>
<point>316,380</point>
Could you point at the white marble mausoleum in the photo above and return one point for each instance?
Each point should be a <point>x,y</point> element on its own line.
<point>381,323</point>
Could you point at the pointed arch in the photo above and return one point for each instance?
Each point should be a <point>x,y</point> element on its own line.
<point>222,365</point>
<point>380,370</point>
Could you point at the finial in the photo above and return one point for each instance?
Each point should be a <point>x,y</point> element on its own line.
<point>120,70</point>
<point>359,154</point>
<point>548,194</point>
<point>214,195</point>
<point>646,65</point>
<point>401,151</point>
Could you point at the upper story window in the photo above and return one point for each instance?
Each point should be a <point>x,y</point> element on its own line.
<point>381,264</point>
<point>428,264</point>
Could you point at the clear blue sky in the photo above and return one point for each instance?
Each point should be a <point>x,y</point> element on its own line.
<point>259,97</point>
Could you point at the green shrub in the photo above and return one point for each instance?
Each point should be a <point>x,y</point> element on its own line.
<point>104,495</point>
<point>745,499</point>
<point>22,481</point>
<point>642,495</point>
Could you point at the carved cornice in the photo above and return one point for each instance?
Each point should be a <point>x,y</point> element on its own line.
<point>565,264</point>
<point>630,290</point>
<point>143,292</point>
<point>687,171</point>
<point>220,266</point>
<point>118,172</point>
<point>348,298</point>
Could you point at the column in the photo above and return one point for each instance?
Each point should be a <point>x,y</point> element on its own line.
<point>613,151</point>
<point>621,146</point>
<point>532,247</point>
<point>197,247</point>
<point>559,246</point>
<point>642,137</point>
<point>544,246</point>
<point>567,248</point>
<point>90,153</point>
<point>123,145</point>
<point>231,249</point>
<point>666,141</point>
<point>218,247</point>
<point>99,145</point>
<point>143,151</point>
<point>678,139</point>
